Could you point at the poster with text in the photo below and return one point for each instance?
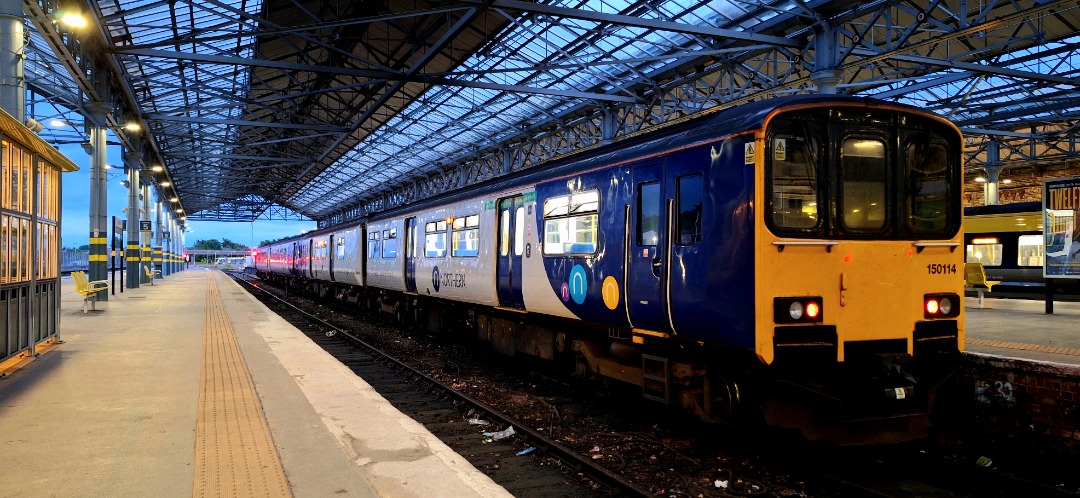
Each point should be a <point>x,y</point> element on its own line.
<point>1061,217</point>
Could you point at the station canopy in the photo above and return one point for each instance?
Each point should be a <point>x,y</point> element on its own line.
<point>330,110</point>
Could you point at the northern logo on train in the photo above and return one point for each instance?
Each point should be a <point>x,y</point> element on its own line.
<point>435,280</point>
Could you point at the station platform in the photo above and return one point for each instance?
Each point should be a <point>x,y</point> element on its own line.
<point>191,387</point>
<point>1021,329</point>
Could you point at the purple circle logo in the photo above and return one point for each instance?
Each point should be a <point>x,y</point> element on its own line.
<point>565,292</point>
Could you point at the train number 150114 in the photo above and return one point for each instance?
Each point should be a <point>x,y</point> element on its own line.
<point>945,269</point>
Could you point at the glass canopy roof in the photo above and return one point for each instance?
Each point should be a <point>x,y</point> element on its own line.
<point>330,111</point>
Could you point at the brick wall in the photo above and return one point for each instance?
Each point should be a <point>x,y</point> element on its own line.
<point>1031,403</point>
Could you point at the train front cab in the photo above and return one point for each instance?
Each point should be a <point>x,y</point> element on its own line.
<point>859,265</point>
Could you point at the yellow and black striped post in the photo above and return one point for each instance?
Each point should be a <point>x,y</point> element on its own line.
<point>158,259</point>
<point>99,259</point>
<point>131,251</point>
<point>133,259</point>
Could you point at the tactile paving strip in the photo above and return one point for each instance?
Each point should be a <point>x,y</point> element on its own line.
<point>234,455</point>
<point>1025,346</point>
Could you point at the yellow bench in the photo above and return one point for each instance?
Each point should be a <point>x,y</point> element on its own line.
<point>88,289</point>
<point>974,276</point>
<point>151,273</point>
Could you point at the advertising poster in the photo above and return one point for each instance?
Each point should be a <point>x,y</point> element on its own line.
<point>1061,214</point>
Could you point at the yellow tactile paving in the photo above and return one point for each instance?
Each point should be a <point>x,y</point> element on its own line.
<point>1024,346</point>
<point>234,455</point>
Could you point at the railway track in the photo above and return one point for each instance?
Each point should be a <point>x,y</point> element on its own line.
<point>520,462</point>
<point>669,458</point>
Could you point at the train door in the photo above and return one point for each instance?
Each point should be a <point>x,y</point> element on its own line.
<point>645,261</point>
<point>410,250</point>
<point>684,211</point>
<point>310,273</point>
<point>511,241</point>
<point>331,256</point>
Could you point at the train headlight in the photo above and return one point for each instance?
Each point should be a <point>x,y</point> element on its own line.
<point>941,305</point>
<point>795,310</point>
<point>945,305</point>
<point>806,309</point>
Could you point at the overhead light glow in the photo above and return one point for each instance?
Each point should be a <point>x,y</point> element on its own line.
<point>165,184</point>
<point>72,18</point>
<point>157,168</point>
<point>132,126</point>
<point>980,179</point>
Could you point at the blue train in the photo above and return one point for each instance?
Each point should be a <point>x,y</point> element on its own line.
<point>792,260</point>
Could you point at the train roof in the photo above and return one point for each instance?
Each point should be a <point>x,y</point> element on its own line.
<point>709,125</point>
<point>704,127</point>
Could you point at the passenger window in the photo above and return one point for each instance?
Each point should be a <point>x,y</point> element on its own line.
<point>689,190</point>
<point>1031,251</point>
<point>465,239</point>
<point>373,245</point>
<point>986,250</point>
<point>340,248</point>
<point>648,219</point>
<point>570,223</point>
<point>389,247</point>
<point>928,184</point>
<point>863,176</point>
<point>793,176</point>
<point>435,239</point>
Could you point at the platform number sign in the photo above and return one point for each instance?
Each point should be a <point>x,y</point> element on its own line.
<point>144,226</point>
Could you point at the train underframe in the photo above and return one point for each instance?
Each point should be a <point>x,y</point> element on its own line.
<point>880,395</point>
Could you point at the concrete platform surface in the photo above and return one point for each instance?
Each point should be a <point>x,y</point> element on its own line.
<point>112,410</point>
<point>1020,328</point>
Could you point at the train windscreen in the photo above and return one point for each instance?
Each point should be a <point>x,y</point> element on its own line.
<point>862,174</point>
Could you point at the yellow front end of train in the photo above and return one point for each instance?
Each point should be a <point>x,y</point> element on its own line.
<point>859,266</point>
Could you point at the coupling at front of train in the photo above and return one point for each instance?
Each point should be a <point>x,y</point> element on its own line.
<point>792,260</point>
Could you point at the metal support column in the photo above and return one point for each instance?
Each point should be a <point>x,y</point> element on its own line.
<point>825,76</point>
<point>173,236</point>
<point>145,231</point>
<point>166,244</point>
<point>134,273</point>
<point>99,207</point>
<point>993,170</point>
<point>158,245</point>
<point>12,55</point>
